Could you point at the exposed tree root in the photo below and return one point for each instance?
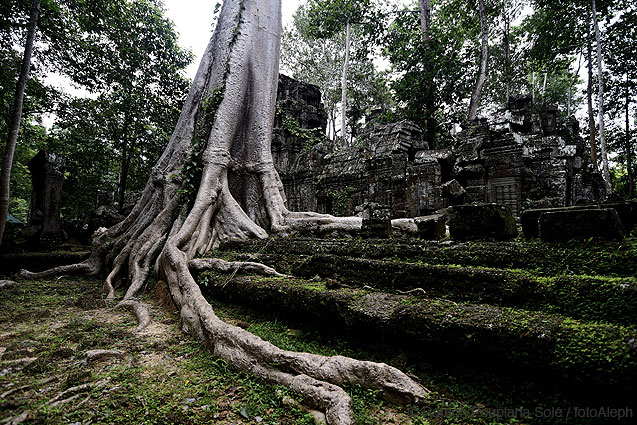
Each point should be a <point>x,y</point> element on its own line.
<point>7,283</point>
<point>319,417</point>
<point>224,132</point>
<point>141,310</point>
<point>100,355</point>
<point>81,268</point>
<point>7,393</point>
<point>316,378</point>
<point>413,291</point>
<point>62,397</point>
<point>216,264</point>
<point>91,266</point>
<point>65,401</point>
<point>16,420</point>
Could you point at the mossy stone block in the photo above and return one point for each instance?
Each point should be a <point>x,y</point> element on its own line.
<point>565,225</point>
<point>433,227</point>
<point>482,221</point>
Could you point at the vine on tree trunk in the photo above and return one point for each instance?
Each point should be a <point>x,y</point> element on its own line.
<point>190,173</point>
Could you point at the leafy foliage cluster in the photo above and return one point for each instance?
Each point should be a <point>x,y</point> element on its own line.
<point>340,201</point>
<point>123,61</point>
<point>309,137</point>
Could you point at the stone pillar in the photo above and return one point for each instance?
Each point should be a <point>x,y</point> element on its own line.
<point>376,221</point>
<point>47,176</point>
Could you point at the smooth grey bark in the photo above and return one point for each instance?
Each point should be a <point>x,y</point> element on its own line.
<point>484,57</point>
<point>425,17</point>
<point>12,140</point>
<point>600,101</point>
<point>628,145</point>
<point>546,74</point>
<point>569,106</point>
<point>533,86</point>
<point>592,130</point>
<point>507,56</point>
<point>348,43</point>
<point>232,103</point>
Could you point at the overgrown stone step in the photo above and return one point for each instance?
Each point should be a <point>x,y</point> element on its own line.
<point>599,356</point>
<point>581,297</point>
<point>602,258</point>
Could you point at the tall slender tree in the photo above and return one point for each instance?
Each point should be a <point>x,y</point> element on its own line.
<point>621,82</point>
<point>317,61</point>
<point>600,100</point>
<point>592,129</point>
<point>7,159</point>
<point>484,60</point>
<point>628,142</point>
<point>348,46</point>
<point>327,17</point>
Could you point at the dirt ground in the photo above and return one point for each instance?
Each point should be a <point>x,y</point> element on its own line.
<point>51,373</point>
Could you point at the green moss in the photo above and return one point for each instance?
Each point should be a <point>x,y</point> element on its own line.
<point>494,334</point>
<point>190,173</point>
<point>595,258</point>
<point>171,379</point>
<point>597,349</point>
<point>587,297</point>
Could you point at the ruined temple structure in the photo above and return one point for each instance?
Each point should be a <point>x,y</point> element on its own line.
<point>47,175</point>
<point>519,157</point>
<point>526,159</point>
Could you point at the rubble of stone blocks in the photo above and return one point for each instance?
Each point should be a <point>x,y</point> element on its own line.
<point>519,157</point>
<point>376,221</point>
<point>297,163</point>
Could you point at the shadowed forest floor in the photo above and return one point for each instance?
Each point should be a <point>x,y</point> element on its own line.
<point>162,376</point>
<point>484,303</point>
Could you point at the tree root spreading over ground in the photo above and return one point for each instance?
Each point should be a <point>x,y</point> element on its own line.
<point>224,134</point>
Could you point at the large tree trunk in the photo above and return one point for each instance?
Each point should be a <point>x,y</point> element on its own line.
<point>224,134</point>
<point>600,101</point>
<point>12,140</point>
<point>592,137</point>
<point>348,42</point>
<point>484,58</point>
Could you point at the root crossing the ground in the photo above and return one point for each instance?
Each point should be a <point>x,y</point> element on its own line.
<point>215,182</point>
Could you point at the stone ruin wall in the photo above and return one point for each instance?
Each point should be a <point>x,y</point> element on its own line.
<point>518,157</point>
